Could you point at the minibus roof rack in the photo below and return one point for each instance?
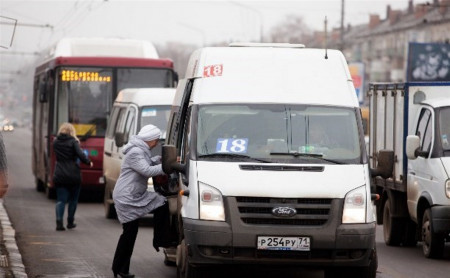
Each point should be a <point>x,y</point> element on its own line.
<point>257,44</point>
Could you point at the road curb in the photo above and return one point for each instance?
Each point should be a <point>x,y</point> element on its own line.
<point>11,264</point>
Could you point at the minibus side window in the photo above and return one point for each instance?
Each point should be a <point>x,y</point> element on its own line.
<point>113,123</point>
<point>129,125</point>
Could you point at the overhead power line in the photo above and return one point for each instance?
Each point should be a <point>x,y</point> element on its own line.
<point>28,25</point>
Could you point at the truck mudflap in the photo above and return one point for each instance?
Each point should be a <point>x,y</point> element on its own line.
<point>210,242</point>
<point>441,219</point>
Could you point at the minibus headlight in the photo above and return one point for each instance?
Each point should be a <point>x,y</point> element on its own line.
<point>211,203</point>
<point>355,206</point>
<point>447,188</point>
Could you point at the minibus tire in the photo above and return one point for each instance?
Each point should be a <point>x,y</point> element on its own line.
<point>50,193</point>
<point>39,185</point>
<point>184,268</point>
<point>369,271</point>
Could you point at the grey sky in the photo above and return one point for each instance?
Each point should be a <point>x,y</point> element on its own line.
<point>193,22</point>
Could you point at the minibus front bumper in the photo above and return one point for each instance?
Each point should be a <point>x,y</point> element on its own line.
<point>235,242</point>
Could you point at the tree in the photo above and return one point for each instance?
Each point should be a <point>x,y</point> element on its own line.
<point>292,30</point>
<point>179,53</point>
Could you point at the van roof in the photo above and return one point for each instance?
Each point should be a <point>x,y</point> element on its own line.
<point>102,47</point>
<point>437,102</point>
<point>271,75</point>
<point>146,96</point>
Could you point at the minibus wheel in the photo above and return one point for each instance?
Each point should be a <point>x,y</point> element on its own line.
<point>39,185</point>
<point>184,268</point>
<point>50,192</point>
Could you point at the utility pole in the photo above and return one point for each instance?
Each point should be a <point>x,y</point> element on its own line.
<point>341,35</point>
<point>261,29</point>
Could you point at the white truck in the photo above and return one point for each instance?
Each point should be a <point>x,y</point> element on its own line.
<point>410,143</point>
<point>266,143</point>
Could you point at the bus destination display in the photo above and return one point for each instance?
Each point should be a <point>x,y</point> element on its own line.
<point>84,76</point>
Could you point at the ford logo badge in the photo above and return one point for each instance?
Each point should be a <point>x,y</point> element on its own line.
<point>284,211</point>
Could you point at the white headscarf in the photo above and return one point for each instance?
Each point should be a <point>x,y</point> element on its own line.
<point>149,133</point>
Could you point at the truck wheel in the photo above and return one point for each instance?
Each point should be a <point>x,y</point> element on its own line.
<point>184,268</point>
<point>110,209</point>
<point>391,227</point>
<point>433,243</point>
<point>39,185</point>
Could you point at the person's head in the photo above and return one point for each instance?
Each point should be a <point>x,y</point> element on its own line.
<point>68,129</point>
<point>150,134</point>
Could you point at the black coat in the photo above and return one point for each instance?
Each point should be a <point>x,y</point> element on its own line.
<point>67,171</point>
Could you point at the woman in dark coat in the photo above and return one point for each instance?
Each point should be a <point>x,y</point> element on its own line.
<point>67,174</point>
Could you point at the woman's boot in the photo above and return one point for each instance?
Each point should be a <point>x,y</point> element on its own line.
<point>60,226</point>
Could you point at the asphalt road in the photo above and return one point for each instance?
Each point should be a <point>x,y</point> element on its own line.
<point>88,250</point>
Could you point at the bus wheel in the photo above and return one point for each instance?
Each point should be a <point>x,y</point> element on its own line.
<point>39,185</point>
<point>391,226</point>
<point>433,243</point>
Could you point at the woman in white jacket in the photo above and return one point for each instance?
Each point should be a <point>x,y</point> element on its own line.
<point>131,198</point>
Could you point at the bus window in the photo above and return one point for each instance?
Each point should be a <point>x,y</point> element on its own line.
<point>144,78</point>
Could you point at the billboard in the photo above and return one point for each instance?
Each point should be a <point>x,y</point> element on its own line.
<point>357,73</point>
<point>428,62</point>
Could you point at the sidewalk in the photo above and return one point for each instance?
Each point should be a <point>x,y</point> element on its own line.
<point>11,265</point>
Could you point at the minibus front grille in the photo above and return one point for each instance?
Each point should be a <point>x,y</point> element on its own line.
<point>260,211</point>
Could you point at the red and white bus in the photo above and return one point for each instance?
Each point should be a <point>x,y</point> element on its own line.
<point>78,83</point>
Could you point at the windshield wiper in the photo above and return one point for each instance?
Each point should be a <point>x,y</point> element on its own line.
<point>312,155</point>
<point>88,133</point>
<point>232,155</point>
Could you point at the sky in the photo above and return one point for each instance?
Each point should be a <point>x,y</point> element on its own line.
<point>42,23</point>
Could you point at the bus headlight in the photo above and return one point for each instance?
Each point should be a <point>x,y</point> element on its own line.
<point>355,206</point>
<point>211,203</point>
<point>447,188</point>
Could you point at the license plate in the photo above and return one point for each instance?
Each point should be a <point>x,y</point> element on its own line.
<point>284,243</point>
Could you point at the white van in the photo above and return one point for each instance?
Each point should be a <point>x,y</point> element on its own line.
<point>132,109</point>
<point>273,168</point>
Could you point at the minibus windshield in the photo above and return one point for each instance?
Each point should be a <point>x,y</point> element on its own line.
<point>156,115</point>
<point>279,133</point>
<point>444,130</point>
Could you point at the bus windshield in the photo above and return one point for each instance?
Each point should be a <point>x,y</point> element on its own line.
<point>278,133</point>
<point>87,93</point>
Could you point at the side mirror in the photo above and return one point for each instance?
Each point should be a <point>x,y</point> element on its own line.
<point>385,164</point>
<point>169,160</point>
<point>119,138</point>
<point>413,147</point>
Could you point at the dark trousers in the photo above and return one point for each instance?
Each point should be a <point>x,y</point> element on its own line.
<point>125,246</point>
<point>63,196</point>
